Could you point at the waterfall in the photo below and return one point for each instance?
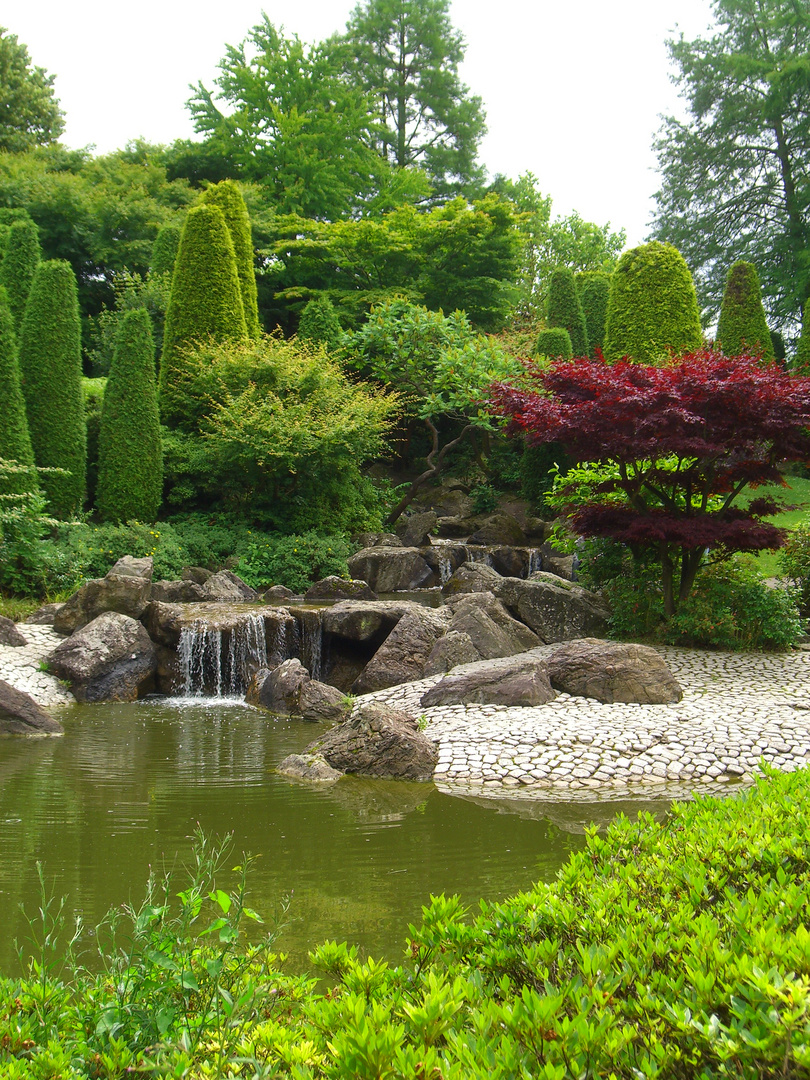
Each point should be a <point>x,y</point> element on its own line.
<point>535,561</point>
<point>479,555</point>
<point>310,640</point>
<point>220,661</point>
<point>445,568</point>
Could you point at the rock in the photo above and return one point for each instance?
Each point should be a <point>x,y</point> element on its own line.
<point>277,594</point>
<point>127,593</point>
<point>112,658</point>
<point>198,574</point>
<point>389,569</point>
<point>164,622</point>
<point>177,592</point>
<point>337,588</point>
<point>446,502</point>
<point>513,680</point>
<point>278,689</point>
<point>457,527</point>
<point>379,741</point>
<point>444,559</point>
<point>499,528</point>
<point>21,715</point>
<point>374,539</point>
<point>226,586</point>
<point>322,703</point>
<point>308,767</point>
<point>365,620</point>
<point>45,615</point>
<point>612,671</point>
<point>129,566</point>
<point>490,627</point>
<point>556,610</point>
<point>416,530</point>
<point>560,565</point>
<point>509,561</point>
<point>402,656</point>
<point>472,577</point>
<point>9,634</point>
<point>449,651</point>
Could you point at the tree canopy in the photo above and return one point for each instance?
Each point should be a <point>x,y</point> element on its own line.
<point>734,174</point>
<point>29,112</point>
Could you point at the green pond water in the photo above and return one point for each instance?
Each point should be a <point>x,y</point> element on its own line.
<point>125,788</point>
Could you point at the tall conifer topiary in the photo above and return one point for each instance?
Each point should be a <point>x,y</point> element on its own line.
<point>15,441</point>
<point>652,308</point>
<point>320,324</point>
<point>742,327</point>
<point>130,465</point>
<point>205,301</point>
<point>51,369</point>
<point>593,287</point>
<point>554,342</point>
<point>164,250</point>
<point>565,309</point>
<point>801,361</point>
<point>227,196</point>
<point>19,266</point>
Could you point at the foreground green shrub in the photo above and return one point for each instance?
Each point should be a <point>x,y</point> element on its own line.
<point>742,327</point>
<point>668,950</point>
<point>554,341</point>
<point>30,562</point>
<point>564,308</point>
<point>294,561</point>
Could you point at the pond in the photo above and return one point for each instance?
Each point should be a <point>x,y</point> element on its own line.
<point>125,788</point>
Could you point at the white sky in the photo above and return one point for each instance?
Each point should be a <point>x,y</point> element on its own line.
<point>573,91</point>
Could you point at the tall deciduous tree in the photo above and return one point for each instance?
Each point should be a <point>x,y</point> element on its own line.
<point>29,112</point>
<point>406,56</point>
<point>736,172</point>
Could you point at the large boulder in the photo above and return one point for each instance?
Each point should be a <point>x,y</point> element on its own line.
<point>337,588</point>
<point>21,715</point>
<point>322,703</point>
<point>498,528</point>
<point>227,587</point>
<point>125,589</point>
<point>308,767</point>
<point>377,539</point>
<point>514,680</point>
<point>177,592</point>
<point>402,656</point>
<point>510,561</point>
<point>444,559</point>
<point>491,629</point>
<point>416,530</point>
<point>45,615</point>
<point>111,659</point>
<point>472,577</point>
<point>198,574</point>
<point>612,671</point>
<point>452,649</point>
<point>164,622</point>
<point>365,620</point>
<point>556,610</point>
<point>9,634</point>
<point>391,569</point>
<point>378,741</point>
<point>288,689</point>
<point>277,594</point>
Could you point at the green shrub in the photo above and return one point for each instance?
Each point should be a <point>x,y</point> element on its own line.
<point>801,361</point>
<point>294,561</point>
<point>15,441</point>
<point>652,308</point>
<point>130,469</point>
<point>30,563</point>
<point>565,309</point>
<point>227,196</point>
<point>205,301</point>
<point>20,261</point>
<point>51,369</point>
<point>484,499</point>
<point>742,327</point>
<point>594,289</point>
<point>88,551</point>
<point>554,342</point>
<point>539,465</point>
<point>794,560</point>
<point>93,393</point>
<point>164,251</point>
<point>320,324</point>
<point>132,293</point>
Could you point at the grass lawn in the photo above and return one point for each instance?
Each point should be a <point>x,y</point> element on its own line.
<point>796,495</point>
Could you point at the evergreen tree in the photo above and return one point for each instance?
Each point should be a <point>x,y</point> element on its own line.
<point>15,441</point>
<point>565,309</point>
<point>130,468</point>
<point>594,288</point>
<point>51,368</point>
<point>652,307</point>
<point>205,301</point>
<point>554,342</point>
<point>227,196</point>
<point>742,327</point>
<point>319,323</point>
<point>164,250</point>
<point>19,264</point>
<point>801,361</point>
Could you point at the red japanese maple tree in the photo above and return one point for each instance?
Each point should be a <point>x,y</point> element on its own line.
<point>679,443</point>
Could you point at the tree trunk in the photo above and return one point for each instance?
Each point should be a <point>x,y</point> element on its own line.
<point>435,460</point>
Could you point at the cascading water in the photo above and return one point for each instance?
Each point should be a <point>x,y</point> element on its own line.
<point>310,640</point>
<point>535,560</point>
<point>220,661</point>
<point>479,555</point>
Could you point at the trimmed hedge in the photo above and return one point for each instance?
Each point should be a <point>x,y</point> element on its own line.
<point>565,309</point>
<point>205,301</point>
<point>652,308</point>
<point>51,369</point>
<point>164,250</point>
<point>594,289</point>
<point>320,324</point>
<point>15,441</point>
<point>227,196</point>
<point>554,342</point>
<point>130,462</point>
<point>21,259</point>
<point>742,327</point>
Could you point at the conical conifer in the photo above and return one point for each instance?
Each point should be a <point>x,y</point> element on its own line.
<point>19,266</point>
<point>51,370</point>
<point>652,308</point>
<point>164,250</point>
<point>205,301</point>
<point>801,361</point>
<point>130,466</point>
<point>227,196</point>
<point>15,442</point>
<point>593,287</point>
<point>565,309</point>
<point>742,327</point>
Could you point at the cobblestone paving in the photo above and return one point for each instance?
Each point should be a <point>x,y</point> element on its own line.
<point>20,665</point>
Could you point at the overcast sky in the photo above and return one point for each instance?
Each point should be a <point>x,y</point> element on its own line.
<point>573,92</point>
